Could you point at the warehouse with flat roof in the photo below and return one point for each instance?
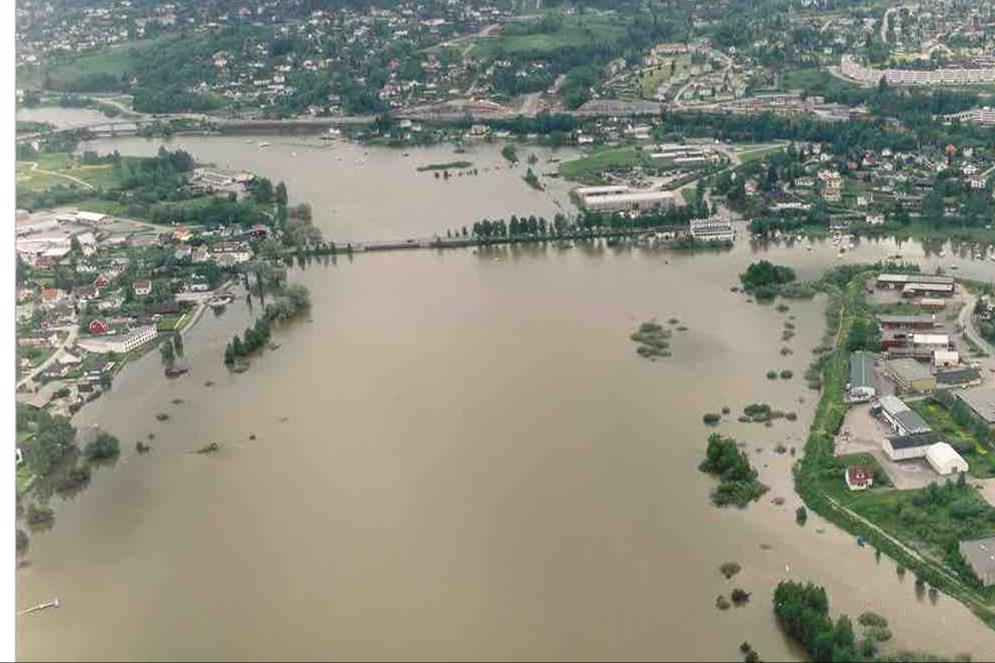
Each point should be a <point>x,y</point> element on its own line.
<point>981,402</point>
<point>911,376</point>
<point>980,556</point>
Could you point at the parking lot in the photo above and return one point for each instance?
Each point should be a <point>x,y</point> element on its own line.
<point>862,433</point>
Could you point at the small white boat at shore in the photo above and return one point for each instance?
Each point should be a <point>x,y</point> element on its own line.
<point>263,144</point>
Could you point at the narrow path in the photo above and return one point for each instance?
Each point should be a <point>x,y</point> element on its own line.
<point>36,169</point>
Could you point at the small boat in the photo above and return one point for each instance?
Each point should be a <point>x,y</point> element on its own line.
<point>248,141</point>
<point>293,154</point>
<point>176,371</point>
<point>993,257</point>
<point>860,541</point>
<point>263,144</point>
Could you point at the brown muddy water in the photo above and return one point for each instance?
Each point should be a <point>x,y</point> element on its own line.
<point>459,455</point>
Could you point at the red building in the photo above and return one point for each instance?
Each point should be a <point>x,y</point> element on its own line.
<point>97,327</point>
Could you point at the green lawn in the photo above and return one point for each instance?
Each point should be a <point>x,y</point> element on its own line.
<point>910,516</point>
<point>815,81</point>
<point>748,153</point>
<point>577,30</point>
<point>100,176</point>
<point>23,477</point>
<point>593,164</point>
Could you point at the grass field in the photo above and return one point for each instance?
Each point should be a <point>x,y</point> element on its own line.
<point>748,153</point>
<point>651,78</point>
<point>30,178</point>
<point>575,30</point>
<point>814,81</point>
<point>115,61</point>
<point>592,165</point>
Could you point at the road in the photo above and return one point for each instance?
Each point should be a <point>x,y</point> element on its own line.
<point>70,339</point>
<point>966,321</point>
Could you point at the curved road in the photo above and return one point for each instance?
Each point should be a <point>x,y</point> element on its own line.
<point>70,339</point>
<point>966,321</point>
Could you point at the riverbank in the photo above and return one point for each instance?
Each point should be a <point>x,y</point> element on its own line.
<point>821,490</point>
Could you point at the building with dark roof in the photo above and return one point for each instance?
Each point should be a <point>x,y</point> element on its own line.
<point>908,447</point>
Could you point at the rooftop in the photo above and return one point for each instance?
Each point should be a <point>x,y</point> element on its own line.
<point>981,401</point>
<point>980,554</point>
<point>915,440</point>
<point>861,369</point>
<point>908,369</point>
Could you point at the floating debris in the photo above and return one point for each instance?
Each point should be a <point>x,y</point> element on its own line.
<point>209,449</point>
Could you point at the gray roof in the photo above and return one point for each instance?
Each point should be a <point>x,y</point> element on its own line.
<point>912,422</point>
<point>980,554</point>
<point>981,401</point>
<point>861,369</point>
<point>892,404</point>
<point>908,369</point>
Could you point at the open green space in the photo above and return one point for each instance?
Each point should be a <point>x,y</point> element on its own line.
<point>113,62</point>
<point>577,30</point>
<point>593,164</point>
<point>60,168</point>
<point>814,81</point>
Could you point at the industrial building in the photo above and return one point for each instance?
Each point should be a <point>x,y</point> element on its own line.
<point>909,447</point>
<point>629,201</point>
<point>713,230</point>
<point>121,344</point>
<point>913,285</point>
<point>944,459</point>
<point>917,322</point>
<point>980,556</point>
<point>911,376</point>
<point>861,386</point>
<point>902,419</point>
<point>981,402</point>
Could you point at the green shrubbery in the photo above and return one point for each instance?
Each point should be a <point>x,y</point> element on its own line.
<point>738,482</point>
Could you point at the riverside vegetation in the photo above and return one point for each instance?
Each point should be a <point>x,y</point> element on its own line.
<point>653,340</point>
<point>738,482</point>
<point>293,301</point>
<point>803,612</point>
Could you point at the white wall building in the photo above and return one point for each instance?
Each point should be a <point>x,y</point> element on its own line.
<point>944,459</point>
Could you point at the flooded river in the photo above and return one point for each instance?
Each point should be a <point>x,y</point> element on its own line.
<point>458,455</point>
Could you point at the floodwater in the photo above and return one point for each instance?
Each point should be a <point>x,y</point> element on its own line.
<point>62,117</point>
<point>459,455</point>
<point>363,194</point>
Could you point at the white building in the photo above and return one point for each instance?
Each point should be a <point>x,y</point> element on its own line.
<point>944,459</point>
<point>713,230</point>
<point>908,447</point>
<point>945,358</point>
<point>121,344</point>
<point>635,200</point>
<point>903,420</point>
